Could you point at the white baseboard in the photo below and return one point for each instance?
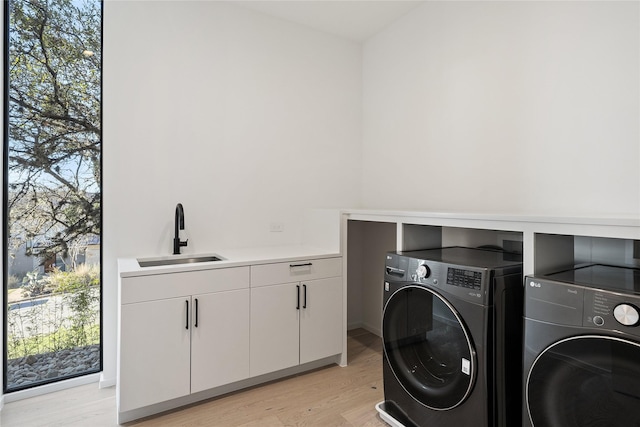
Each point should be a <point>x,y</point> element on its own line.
<point>106,382</point>
<point>355,325</point>
<point>361,325</point>
<point>376,330</point>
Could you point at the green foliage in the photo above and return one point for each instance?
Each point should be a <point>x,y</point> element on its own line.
<point>80,279</point>
<point>81,290</point>
<point>32,285</point>
<point>59,340</point>
<point>54,142</point>
<point>70,319</point>
<point>13,282</point>
<point>54,122</point>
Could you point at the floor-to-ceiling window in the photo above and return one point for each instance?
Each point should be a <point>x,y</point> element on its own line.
<point>52,192</point>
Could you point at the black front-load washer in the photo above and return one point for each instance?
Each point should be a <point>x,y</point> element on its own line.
<point>452,333</point>
<point>582,348</point>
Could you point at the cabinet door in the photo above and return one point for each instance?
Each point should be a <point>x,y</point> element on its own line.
<point>274,328</point>
<point>154,352</point>
<point>219,339</point>
<point>321,319</point>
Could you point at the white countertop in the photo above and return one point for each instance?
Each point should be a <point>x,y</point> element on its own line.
<point>129,267</point>
<point>609,220</point>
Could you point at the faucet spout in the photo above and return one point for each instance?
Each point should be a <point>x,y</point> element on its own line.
<point>179,225</point>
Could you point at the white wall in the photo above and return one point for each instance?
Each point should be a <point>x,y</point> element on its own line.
<point>523,107</point>
<point>508,107</point>
<point>243,118</point>
<point>2,303</point>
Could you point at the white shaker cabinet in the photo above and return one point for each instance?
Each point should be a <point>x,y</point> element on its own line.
<point>274,328</point>
<point>321,319</point>
<point>171,346</point>
<point>185,336</point>
<point>155,365</point>
<point>219,339</point>
<point>295,322</point>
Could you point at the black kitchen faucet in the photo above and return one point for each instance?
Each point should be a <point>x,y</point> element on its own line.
<point>177,243</point>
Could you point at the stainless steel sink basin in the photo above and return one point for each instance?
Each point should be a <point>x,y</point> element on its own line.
<point>155,262</point>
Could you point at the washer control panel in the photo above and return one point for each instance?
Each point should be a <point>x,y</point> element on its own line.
<point>611,310</point>
<point>464,278</point>
<point>464,282</point>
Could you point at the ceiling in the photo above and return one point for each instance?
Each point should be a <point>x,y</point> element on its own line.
<point>356,20</point>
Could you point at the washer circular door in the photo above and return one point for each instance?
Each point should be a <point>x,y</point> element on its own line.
<point>587,380</point>
<point>428,348</point>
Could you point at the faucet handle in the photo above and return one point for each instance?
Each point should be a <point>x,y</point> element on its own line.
<point>184,243</point>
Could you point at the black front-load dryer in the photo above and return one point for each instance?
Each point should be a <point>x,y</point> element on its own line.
<point>582,348</point>
<point>452,333</point>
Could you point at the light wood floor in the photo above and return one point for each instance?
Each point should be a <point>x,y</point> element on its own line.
<point>331,396</point>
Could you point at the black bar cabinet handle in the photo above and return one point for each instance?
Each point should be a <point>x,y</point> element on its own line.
<point>298,296</point>
<point>196,324</point>
<point>308,264</point>
<point>187,325</point>
<point>304,287</point>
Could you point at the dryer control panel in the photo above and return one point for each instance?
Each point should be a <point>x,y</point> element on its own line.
<point>575,305</point>
<point>611,310</point>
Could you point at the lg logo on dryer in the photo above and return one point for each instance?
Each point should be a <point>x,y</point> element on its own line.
<point>535,284</point>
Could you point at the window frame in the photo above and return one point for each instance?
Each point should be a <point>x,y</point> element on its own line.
<point>5,203</point>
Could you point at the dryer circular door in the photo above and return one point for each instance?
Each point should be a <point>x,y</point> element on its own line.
<point>588,380</point>
<point>428,348</point>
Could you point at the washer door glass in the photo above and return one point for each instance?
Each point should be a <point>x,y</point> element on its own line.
<point>428,348</point>
<point>586,381</point>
